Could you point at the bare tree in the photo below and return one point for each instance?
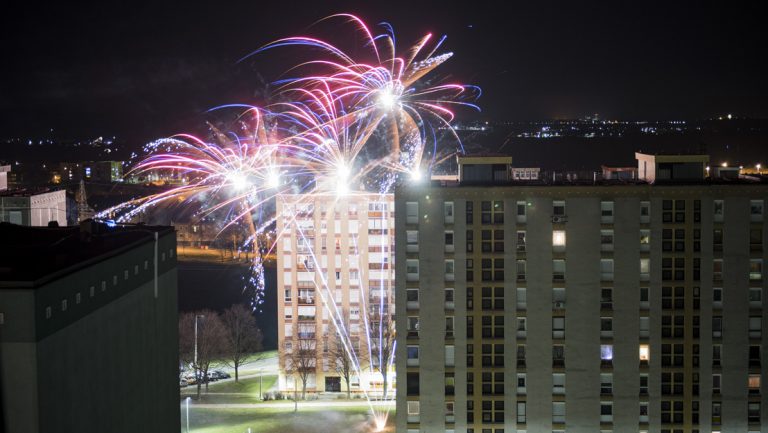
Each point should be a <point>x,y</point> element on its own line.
<point>203,351</point>
<point>382,340</point>
<point>243,337</point>
<point>344,353</point>
<point>299,357</point>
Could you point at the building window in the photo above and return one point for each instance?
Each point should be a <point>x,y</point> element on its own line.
<point>606,212</point>
<point>449,298</point>
<point>412,269</point>
<point>753,413</point>
<point>645,211</point>
<point>521,299</point>
<point>754,383</point>
<point>558,412</point>
<point>92,291</point>
<point>558,355</point>
<point>717,297</point>
<point>77,298</point>
<point>521,327</point>
<point>755,269</point>
<point>606,269</point>
<point>558,270</point>
<point>521,383</point>
<point>412,356</point>
<point>450,384</point>
<point>558,383</point>
<point>645,240</point>
<point>606,412</point>
<point>606,383</point>
<point>716,383</point>
<point>521,241</point>
<point>643,412</point>
<point>450,355</point>
<point>645,353</point>
<point>558,327</point>
<point>645,269</point>
<point>47,312</point>
<point>606,240</point>
<point>756,239</point>
<point>468,212</point>
<point>64,305</point>
<point>756,210</point>
<point>718,210</point>
<point>606,327</point>
<point>754,356</point>
<point>645,298</point>
<point>411,212</point>
<point>558,240</point>
<point>717,269</point>
<point>521,205</point>
<point>717,415</point>
<point>411,241</point>
<point>521,415</point>
<point>717,350</point>
<point>558,208</point>
<point>558,298</point>
<point>520,264</point>
<point>606,298</point>
<point>755,297</point>
<point>643,384</point>
<point>520,354</point>
<point>412,383</point>
<point>755,326</point>
<point>606,354</point>
<point>448,212</point>
<point>413,326</point>
<point>645,327</point>
<point>448,241</point>
<point>448,326</point>
<point>449,270</point>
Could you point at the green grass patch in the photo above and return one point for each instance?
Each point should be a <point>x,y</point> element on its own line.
<point>282,420</point>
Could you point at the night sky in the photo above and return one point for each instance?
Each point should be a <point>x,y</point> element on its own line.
<point>141,71</point>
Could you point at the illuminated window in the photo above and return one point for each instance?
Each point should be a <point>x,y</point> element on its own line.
<point>645,353</point>
<point>558,238</point>
<point>754,383</point>
<point>606,352</point>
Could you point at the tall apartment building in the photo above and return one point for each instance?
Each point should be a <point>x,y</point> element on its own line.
<point>334,260</point>
<point>88,329</point>
<point>605,306</point>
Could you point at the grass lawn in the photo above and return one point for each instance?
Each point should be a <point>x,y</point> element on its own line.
<point>247,390</point>
<point>271,420</point>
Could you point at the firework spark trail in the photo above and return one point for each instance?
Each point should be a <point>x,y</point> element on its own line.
<point>319,142</point>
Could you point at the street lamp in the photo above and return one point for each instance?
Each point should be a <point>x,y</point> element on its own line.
<point>188,398</point>
<point>195,364</point>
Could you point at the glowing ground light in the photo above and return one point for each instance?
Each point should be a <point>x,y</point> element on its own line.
<point>380,423</point>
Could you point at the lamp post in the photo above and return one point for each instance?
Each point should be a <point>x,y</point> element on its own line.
<point>188,398</point>
<point>196,317</point>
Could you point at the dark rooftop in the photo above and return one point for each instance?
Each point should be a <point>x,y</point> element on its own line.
<point>30,254</point>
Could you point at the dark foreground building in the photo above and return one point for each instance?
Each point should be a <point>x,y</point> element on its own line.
<point>88,329</point>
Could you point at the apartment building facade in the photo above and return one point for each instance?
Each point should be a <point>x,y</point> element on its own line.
<point>335,270</point>
<point>605,307</point>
